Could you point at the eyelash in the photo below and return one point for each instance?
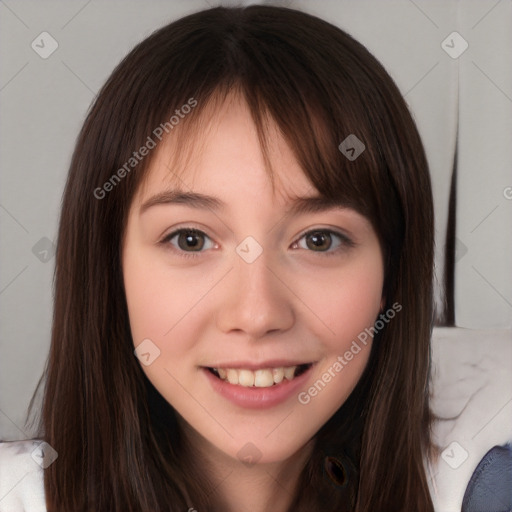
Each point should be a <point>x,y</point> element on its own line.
<point>345,242</point>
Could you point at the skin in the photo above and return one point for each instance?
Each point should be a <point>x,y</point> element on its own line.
<point>292,302</point>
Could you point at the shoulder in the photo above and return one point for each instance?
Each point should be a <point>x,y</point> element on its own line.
<point>471,400</point>
<point>21,476</point>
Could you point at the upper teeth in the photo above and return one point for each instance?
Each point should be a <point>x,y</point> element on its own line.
<point>259,378</point>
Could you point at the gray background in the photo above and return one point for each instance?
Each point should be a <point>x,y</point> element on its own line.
<point>43,103</point>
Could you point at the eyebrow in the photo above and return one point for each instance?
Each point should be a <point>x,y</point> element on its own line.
<point>299,205</point>
<point>192,199</point>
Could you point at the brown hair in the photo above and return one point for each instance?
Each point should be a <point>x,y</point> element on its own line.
<point>119,445</point>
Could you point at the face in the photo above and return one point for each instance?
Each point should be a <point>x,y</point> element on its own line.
<point>247,309</point>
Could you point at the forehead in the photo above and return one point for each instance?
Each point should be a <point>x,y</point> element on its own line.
<point>221,154</point>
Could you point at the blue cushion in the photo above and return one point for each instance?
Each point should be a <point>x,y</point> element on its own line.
<point>490,487</point>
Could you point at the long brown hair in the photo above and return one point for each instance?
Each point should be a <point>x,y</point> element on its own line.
<point>119,445</point>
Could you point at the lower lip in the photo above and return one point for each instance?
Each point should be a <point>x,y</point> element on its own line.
<point>258,398</point>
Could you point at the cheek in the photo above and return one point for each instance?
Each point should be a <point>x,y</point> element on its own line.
<point>347,302</point>
<point>159,298</point>
<point>355,306</point>
<point>148,298</point>
<point>161,306</point>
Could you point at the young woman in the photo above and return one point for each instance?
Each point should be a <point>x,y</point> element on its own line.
<point>243,293</point>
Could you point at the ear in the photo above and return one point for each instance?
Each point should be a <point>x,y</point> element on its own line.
<point>382,302</point>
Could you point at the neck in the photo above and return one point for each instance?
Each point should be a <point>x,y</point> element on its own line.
<point>260,487</point>
<point>240,487</point>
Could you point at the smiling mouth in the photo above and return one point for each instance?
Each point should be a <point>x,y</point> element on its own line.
<point>263,378</point>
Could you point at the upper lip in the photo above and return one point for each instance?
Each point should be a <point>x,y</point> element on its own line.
<point>246,365</point>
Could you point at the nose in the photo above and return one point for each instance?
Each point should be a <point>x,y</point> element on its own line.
<point>256,300</point>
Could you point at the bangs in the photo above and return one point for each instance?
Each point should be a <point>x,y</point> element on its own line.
<point>282,84</point>
<point>316,95</point>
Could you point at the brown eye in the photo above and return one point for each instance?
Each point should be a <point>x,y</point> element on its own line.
<point>324,241</point>
<point>188,240</point>
<point>318,240</point>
